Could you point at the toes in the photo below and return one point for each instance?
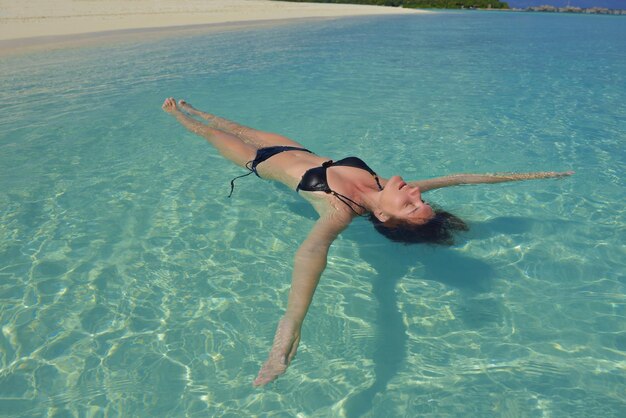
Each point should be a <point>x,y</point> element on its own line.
<point>169,104</point>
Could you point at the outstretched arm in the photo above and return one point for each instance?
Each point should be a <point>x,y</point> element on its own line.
<point>309,263</point>
<point>459,179</point>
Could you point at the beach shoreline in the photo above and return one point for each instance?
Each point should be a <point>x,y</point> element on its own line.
<point>40,25</point>
<point>53,42</point>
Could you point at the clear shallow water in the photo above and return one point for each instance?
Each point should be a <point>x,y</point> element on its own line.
<point>131,286</point>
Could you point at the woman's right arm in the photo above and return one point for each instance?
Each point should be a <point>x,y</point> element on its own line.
<point>309,263</point>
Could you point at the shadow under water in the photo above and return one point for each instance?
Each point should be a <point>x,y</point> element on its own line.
<point>440,264</point>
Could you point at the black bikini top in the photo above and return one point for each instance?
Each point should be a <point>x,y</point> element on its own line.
<point>315,179</point>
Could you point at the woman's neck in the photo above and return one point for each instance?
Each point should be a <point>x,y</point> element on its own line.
<point>369,195</point>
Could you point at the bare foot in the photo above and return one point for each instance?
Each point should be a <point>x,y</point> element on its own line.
<point>193,111</point>
<point>169,105</point>
<point>184,105</point>
<point>283,351</point>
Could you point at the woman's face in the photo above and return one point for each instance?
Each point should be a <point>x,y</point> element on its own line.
<point>399,201</point>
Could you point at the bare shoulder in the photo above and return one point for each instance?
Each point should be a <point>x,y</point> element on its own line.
<point>330,223</point>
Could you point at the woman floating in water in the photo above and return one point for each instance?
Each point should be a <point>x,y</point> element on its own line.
<point>339,191</point>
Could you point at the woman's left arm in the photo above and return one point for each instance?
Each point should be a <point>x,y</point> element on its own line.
<point>309,263</point>
<point>460,179</point>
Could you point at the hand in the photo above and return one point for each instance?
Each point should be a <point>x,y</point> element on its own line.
<point>283,351</point>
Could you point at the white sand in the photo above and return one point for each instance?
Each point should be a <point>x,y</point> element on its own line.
<point>39,18</point>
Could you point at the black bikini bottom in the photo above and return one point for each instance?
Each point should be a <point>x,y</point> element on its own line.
<point>263,154</point>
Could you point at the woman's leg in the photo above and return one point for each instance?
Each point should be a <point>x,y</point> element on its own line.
<point>230,146</point>
<point>254,137</point>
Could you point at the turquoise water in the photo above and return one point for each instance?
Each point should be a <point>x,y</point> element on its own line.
<point>131,286</point>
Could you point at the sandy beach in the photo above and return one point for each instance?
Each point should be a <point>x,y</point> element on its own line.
<point>52,22</point>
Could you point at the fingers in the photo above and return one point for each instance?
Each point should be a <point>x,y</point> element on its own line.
<point>276,365</point>
<point>283,351</point>
<point>562,174</point>
<point>269,372</point>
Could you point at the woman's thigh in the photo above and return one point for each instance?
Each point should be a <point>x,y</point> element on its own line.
<point>230,146</point>
<point>264,139</point>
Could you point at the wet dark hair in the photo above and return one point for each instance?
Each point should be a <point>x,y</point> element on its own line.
<point>438,230</point>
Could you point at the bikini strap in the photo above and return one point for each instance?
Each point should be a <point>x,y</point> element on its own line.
<point>250,166</point>
<point>263,154</point>
<point>380,188</point>
<point>346,199</point>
